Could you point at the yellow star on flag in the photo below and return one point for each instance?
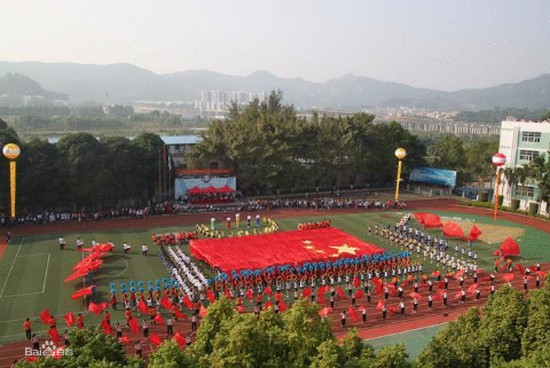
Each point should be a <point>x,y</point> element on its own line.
<point>344,248</point>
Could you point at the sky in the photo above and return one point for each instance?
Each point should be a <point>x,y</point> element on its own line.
<point>440,44</point>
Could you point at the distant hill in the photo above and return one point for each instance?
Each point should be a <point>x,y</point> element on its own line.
<point>18,85</point>
<point>126,83</point>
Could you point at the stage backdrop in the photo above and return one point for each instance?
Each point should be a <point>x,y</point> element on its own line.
<point>205,184</point>
<point>289,247</point>
<point>434,176</point>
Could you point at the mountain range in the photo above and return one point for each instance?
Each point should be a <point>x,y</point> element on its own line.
<point>127,83</point>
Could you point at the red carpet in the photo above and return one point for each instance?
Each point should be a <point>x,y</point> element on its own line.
<point>289,247</point>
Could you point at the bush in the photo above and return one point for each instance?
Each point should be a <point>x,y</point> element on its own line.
<point>515,204</point>
<point>533,208</point>
<point>483,197</point>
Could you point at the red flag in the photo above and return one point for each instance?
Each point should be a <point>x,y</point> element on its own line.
<point>358,294</point>
<point>210,295</point>
<point>436,297</point>
<point>508,277</point>
<point>81,272</point>
<point>155,339</point>
<point>69,319</point>
<point>179,339</point>
<point>159,320</point>
<point>202,311</point>
<point>321,295</point>
<point>250,294</point>
<point>340,292</point>
<point>80,293</point>
<point>178,313</point>
<point>458,295</point>
<point>353,314</point>
<point>520,269</point>
<point>306,292</point>
<point>187,301</point>
<point>106,327</point>
<point>325,311</point>
<point>228,294</point>
<point>124,340</point>
<point>475,233</point>
<point>282,306</point>
<point>54,335</point>
<point>472,288</point>
<point>97,308</point>
<point>441,284</point>
<point>45,316</point>
<point>267,305</point>
<point>415,295</point>
<point>142,307</point>
<point>166,303</point>
<point>241,309</point>
<point>134,327</point>
<point>356,281</point>
<point>458,274</point>
<point>268,290</point>
<point>380,305</point>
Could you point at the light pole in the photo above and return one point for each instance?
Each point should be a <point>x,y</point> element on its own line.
<point>11,151</point>
<point>498,160</point>
<point>400,154</point>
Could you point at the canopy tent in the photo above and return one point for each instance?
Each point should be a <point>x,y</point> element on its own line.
<point>210,190</point>
<point>289,247</point>
<point>508,248</point>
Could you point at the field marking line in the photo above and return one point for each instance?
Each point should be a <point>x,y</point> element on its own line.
<point>121,272</point>
<point>11,268</point>
<point>43,282</point>
<point>83,312</point>
<point>46,274</point>
<point>403,332</point>
<point>33,255</point>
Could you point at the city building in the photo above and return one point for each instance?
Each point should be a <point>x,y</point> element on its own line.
<point>520,142</point>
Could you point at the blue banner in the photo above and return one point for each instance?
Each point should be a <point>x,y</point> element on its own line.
<point>434,176</point>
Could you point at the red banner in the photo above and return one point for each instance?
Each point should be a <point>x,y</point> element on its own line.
<point>293,247</point>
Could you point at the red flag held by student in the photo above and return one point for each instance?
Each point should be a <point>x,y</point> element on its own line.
<point>472,288</point>
<point>69,319</point>
<point>282,306</point>
<point>187,301</point>
<point>142,307</point>
<point>97,308</point>
<point>166,302</point>
<point>134,326</point>
<point>436,297</point>
<point>268,290</point>
<point>106,327</point>
<point>475,233</point>
<point>306,292</point>
<point>202,311</point>
<point>380,305</point>
<point>210,295</point>
<point>250,294</point>
<point>359,294</point>
<point>340,292</point>
<point>45,316</point>
<point>54,335</point>
<point>325,311</point>
<point>241,309</point>
<point>356,281</point>
<point>267,305</point>
<point>178,313</point>
<point>124,340</point>
<point>227,293</point>
<point>155,339</point>
<point>353,314</point>
<point>508,277</point>
<point>80,293</point>
<point>159,320</point>
<point>520,268</point>
<point>321,295</point>
<point>179,339</point>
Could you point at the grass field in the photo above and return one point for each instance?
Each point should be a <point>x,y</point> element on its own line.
<point>33,268</point>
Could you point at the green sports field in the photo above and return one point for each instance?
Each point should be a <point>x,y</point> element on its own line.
<point>33,268</point>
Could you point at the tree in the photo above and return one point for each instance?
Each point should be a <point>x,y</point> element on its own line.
<point>305,330</point>
<point>503,324</point>
<point>169,355</point>
<point>537,332</point>
<point>354,352</point>
<point>150,148</point>
<point>393,356</point>
<point>539,168</point>
<point>328,356</point>
<point>456,345</point>
<point>478,160</point>
<point>448,153</point>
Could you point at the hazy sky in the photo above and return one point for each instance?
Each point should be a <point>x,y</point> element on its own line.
<point>439,44</point>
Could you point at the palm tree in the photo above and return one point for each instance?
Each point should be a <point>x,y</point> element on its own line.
<point>539,171</point>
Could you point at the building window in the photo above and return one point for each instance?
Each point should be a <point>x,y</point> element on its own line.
<point>528,155</point>
<point>524,191</point>
<point>531,137</point>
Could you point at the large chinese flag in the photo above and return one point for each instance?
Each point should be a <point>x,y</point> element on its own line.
<point>289,247</point>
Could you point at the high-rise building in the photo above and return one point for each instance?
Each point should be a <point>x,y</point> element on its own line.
<point>520,142</point>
